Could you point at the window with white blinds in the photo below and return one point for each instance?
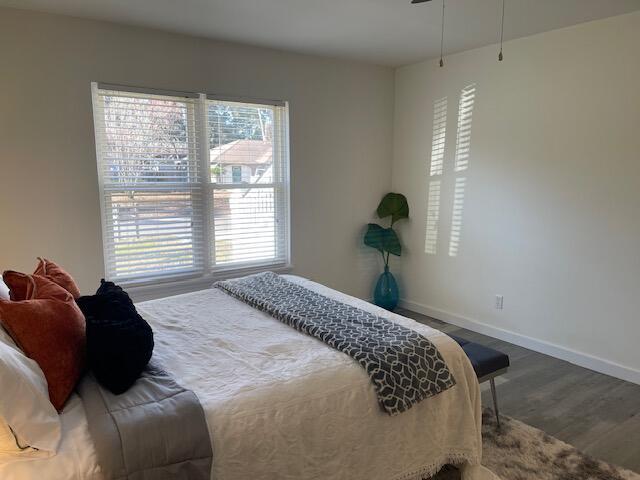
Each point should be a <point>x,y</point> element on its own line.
<point>190,185</point>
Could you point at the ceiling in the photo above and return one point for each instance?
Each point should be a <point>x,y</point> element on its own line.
<point>386,32</point>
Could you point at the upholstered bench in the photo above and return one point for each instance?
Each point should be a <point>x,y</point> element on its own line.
<point>487,363</point>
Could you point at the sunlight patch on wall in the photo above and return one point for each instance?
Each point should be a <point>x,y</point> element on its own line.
<point>456,216</point>
<point>436,169</point>
<point>461,163</point>
<point>439,136</point>
<point>433,215</point>
<point>463,134</point>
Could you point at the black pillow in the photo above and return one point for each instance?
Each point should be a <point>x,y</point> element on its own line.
<point>119,340</point>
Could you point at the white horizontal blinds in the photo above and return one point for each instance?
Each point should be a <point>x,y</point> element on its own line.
<point>190,184</point>
<point>249,183</point>
<point>151,184</point>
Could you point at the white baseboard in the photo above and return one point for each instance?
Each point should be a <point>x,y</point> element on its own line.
<point>572,356</point>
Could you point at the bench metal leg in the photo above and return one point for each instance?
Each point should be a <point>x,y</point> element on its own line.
<point>495,400</point>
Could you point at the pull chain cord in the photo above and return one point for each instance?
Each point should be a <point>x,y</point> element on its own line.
<point>500,56</point>
<point>442,36</point>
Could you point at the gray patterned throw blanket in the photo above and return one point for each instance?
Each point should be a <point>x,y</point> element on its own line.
<point>403,366</point>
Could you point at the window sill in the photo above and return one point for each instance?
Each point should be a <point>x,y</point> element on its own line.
<point>169,288</point>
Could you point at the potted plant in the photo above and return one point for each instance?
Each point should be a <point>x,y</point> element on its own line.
<point>386,241</point>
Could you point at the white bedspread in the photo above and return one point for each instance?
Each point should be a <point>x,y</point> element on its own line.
<point>283,405</point>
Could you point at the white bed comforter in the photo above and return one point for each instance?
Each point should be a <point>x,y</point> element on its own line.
<point>282,405</point>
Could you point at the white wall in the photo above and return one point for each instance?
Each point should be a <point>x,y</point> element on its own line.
<point>552,201</point>
<point>341,117</point>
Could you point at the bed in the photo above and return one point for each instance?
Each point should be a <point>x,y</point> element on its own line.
<point>282,405</point>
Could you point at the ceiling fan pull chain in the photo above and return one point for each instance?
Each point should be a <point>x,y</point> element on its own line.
<point>442,37</point>
<point>500,56</point>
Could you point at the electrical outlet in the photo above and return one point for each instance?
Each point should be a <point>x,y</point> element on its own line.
<point>499,302</point>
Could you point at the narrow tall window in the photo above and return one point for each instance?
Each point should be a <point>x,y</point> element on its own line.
<point>161,159</point>
<point>249,206</point>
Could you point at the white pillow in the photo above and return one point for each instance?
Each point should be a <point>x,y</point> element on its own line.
<point>11,450</point>
<point>27,417</point>
<point>4,290</point>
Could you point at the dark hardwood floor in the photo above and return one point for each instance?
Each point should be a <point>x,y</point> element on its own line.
<point>596,413</point>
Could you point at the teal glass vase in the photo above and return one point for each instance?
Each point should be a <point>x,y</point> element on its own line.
<point>386,294</point>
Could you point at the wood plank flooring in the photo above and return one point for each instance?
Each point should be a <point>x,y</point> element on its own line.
<point>596,413</point>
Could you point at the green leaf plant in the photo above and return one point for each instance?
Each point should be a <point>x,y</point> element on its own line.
<point>385,240</point>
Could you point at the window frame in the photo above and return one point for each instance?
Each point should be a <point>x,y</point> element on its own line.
<point>174,283</point>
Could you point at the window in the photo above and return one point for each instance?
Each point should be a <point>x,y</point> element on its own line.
<point>236,174</point>
<point>190,185</point>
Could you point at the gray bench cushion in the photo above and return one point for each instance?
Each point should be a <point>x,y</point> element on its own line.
<point>485,360</point>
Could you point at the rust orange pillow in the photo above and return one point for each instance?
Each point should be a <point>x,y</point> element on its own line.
<point>58,275</point>
<point>49,328</point>
<point>19,285</point>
